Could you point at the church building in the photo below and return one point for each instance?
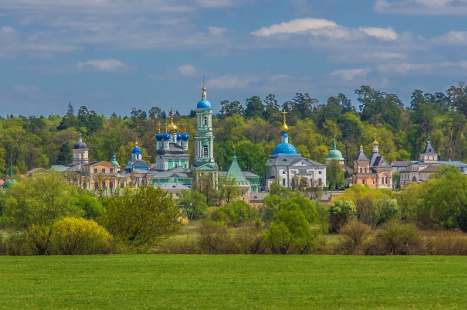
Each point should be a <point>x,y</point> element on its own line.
<point>374,172</point>
<point>288,168</point>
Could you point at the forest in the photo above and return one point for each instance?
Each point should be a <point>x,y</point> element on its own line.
<point>254,128</point>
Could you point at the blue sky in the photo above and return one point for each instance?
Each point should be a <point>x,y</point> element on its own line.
<point>112,55</point>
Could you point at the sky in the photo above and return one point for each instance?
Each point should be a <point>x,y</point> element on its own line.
<point>113,55</point>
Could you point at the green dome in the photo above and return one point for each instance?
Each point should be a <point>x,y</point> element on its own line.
<point>335,154</point>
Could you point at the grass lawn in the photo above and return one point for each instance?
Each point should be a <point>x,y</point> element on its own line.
<point>233,282</point>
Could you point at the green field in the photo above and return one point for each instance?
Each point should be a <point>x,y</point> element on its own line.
<point>233,282</point>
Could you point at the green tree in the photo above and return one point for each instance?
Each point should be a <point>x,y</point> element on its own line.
<point>141,217</point>
<point>193,203</point>
<point>229,188</point>
<point>340,212</point>
<point>41,200</point>
<point>334,174</point>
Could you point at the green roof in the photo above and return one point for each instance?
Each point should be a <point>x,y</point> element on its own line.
<point>235,171</point>
<point>335,153</point>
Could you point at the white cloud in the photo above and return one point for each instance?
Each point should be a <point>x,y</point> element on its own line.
<point>109,65</point>
<point>453,38</point>
<point>231,81</point>
<point>350,74</point>
<point>424,69</point>
<point>187,70</point>
<point>295,26</point>
<point>325,29</point>
<point>380,33</point>
<point>422,7</point>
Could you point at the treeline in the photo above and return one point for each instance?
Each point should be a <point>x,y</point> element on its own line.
<point>254,127</point>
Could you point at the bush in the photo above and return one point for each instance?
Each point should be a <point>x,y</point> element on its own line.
<point>397,238</point>
<point>340,212</point>
<point>249,240</point>
<point>78,236</point>
<point>234,213</point>
<point>356,235</point>
<point>445,243</point>
<point>214,238</point>
<point>37,238</point>
<point>278,238</point>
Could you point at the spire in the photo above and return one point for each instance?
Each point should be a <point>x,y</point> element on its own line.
<point>335,148</point>
<point>80,138</point>
<point>11,169</point>
<point>284,127</point>
<point>203,95</point>
<point>235,153</point>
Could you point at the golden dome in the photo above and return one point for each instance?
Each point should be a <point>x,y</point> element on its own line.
<point>172,128</point>
<point>375,142</point>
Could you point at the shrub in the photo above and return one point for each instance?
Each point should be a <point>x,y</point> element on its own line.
<point>37,238</point>
<point>214,238</point>
<point>397,238</point>
<point>234,213</point>
<point>75,236</point>
<point>340,212</point>
<point>356,235</point>
<point>445,243</point>
<point>249,240</point>
<point>384,210</point>
<point>278,237</point>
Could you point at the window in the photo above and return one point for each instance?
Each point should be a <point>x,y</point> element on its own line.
<point>283,182</point>
<point>205,121</point>
<point>111,185</point>
<point>103,184</point>
<point>319,172</point>
<point>95,170</point>
<point>103,170</point>
<point>205,150</point>
<point>363,181</point>
<point>361,170</point>
<point>111,170</point>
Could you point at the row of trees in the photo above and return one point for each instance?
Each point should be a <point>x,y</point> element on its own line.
<point>254,128</point>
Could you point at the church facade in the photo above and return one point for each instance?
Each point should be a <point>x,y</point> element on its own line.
<point>374,171</point>
<point>290,169</point>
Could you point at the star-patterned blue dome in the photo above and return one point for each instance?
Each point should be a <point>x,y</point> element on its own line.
<point>166,137</point>
<point>159,137</point>
<point>185,137</point>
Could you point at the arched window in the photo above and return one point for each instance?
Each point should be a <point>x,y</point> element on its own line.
<point>205,150</point>
<point>205,122</point>
<point>111,185</point>
<point>361,169</point>
<point>103,184</point>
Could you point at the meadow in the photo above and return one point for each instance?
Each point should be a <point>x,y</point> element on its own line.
<point>233,282</point>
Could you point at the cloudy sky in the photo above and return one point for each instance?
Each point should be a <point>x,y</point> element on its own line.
<point>112,55</point>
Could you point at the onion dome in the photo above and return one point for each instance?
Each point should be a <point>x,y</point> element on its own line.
<point>285,149</point>
<point>166,137</point>
<point>159,136</point>
<point>179,137</point>
<point>80,145</point>
<point>172,128</point>
<point>136,150</point>
<point>114,161</point>
<point>185,137</point>
<point>204,104</point>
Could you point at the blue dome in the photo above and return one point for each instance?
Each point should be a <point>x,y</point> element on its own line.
<point>204,104</point>
<point>285,149</point>
<point>166,137</point>
<point>179,136</point>
<point>159,136</point>
<point>136,150</point>
<point>185,137</point>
